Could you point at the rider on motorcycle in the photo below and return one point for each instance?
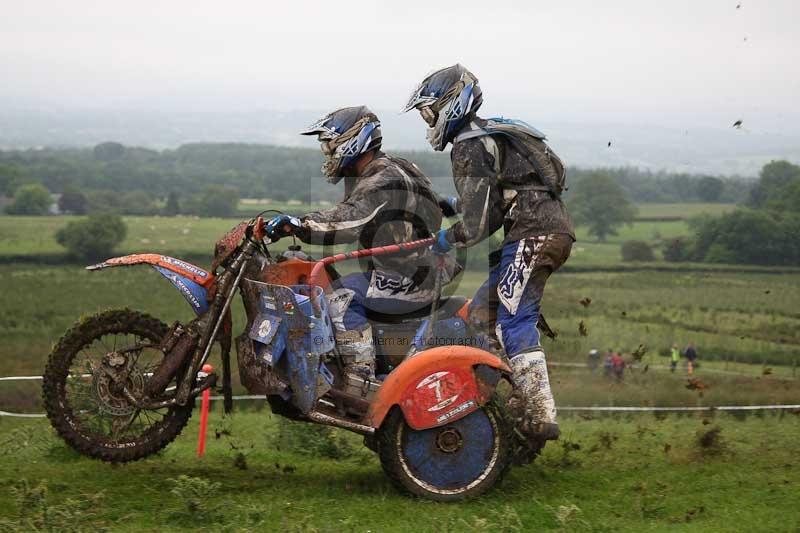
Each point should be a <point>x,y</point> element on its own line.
<point>387,200</point>
<point>502,186</point>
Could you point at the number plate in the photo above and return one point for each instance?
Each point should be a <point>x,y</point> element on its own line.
<point>440,397</point>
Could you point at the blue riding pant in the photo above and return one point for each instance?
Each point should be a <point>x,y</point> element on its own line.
<point>512,294</point>
<point>380,292</point>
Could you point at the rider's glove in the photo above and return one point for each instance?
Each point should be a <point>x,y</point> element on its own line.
<point>449,206</point>
<point>281,226</point>
<point>441,245</point>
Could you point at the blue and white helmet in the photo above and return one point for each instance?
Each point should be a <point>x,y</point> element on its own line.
<point>345,135</point>
<point>446,100</point>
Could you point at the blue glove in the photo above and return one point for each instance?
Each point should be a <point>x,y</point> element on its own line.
<point>281,226</point>
<point>449,206</point>
<point>442,245</point>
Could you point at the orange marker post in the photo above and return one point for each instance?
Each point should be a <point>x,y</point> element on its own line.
<point>204,406</point>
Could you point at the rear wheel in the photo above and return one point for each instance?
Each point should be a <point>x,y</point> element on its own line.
<point>460,460</point>
<point>89,408</point>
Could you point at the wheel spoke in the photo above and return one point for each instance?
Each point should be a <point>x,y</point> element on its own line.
<point>103,342</point>
<point>94,395</point>
<point>126,424</point>
<point>147,416</point>
<point>91,398</point>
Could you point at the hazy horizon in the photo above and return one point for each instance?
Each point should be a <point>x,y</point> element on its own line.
<point>663,81</point>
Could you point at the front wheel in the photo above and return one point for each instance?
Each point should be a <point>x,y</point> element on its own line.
<point>88,407</point>
<point>457,461</point>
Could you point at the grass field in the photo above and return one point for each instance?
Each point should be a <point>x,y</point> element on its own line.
<point>180,236</point>
<point>31,238</point>
<point>606,474</point>
<point>249,207</point>
<point>628,473</point>
<point>746,317</point>
<point>731,318</point>
<point>683,211</point>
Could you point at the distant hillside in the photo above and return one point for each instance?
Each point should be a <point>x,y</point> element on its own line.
<point>257,171</point>
<point>279,173</point>
<point>709,148</point>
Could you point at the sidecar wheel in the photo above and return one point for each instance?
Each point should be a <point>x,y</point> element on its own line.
<point>457,461</point>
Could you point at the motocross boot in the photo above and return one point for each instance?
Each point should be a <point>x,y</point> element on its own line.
<point>357,352</point>
<point>532,403</point>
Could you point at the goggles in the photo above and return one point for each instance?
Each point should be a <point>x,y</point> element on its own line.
<point>329,145</point>
<point>428,115</point>
<point>327,148</point>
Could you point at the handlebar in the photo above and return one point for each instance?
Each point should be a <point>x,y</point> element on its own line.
<point>368,252</point>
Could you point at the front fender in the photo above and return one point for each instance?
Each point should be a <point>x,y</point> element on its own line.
<point>192,281</point>
<point>438,386</point>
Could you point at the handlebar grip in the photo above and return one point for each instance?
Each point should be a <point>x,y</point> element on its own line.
<point>449,207</point>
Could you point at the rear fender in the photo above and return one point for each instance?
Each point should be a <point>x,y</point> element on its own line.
<point>192,281</point>
<point>438,386</point>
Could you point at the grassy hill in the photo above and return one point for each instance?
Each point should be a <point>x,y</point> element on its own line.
<point>732,313</point>
<point>32,238</point>
<point>609,473</point>
<point>688,473</point>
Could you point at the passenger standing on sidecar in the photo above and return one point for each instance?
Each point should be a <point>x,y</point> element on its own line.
<point>506,176</point>
<point>387,200</point>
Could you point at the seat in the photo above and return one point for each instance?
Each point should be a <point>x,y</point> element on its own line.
<point>447,307</point>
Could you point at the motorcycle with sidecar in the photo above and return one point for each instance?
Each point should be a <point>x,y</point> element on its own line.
<point>121,385</point>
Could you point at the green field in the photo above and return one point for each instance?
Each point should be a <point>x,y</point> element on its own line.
<point>732,315</point>
<point>31,238</point>
<point>275,475</point>
<point>683,211</point>
<point>249,207</point>
<point>733,319</point>
<point>606,474</point>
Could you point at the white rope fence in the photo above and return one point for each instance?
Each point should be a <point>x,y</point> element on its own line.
<point>647,409</point>
<point>606,409</point>
<point>613,408</point>
<point>549,363</point>
<point>705,369</point>
<point>42,415</point>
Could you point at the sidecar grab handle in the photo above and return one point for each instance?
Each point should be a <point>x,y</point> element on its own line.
<point>319,267</point>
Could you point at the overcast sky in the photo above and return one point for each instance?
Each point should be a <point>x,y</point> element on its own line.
<point>633,60</point>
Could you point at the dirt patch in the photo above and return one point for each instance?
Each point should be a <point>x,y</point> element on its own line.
<point>710,442</point>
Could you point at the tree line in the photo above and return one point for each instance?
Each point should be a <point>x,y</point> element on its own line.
<point>762,230</point>
<point>140,181</point>
<point>209,179</point>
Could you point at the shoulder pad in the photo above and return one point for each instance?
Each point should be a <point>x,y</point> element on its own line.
<point>500,126</point>
<point>471,134</point>
<point>470,131</point>
<point>510,125</point>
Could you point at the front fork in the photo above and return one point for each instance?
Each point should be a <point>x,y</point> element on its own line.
<point>226,289</point>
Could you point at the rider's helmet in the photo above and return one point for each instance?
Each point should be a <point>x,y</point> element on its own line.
<point>446,99</point>
<point>345,135</point>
